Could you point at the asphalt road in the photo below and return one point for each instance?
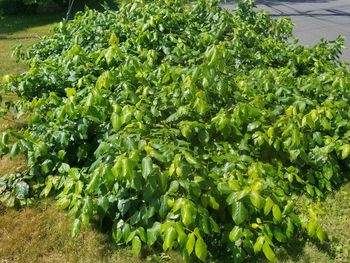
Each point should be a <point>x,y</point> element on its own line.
<point>313,19</point>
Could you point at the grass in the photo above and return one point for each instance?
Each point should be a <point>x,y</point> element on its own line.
<point>41,233</point>
<point>23,30</point>
<point>336,222</point>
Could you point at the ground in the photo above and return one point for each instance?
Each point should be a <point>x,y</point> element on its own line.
<point>41,233</point>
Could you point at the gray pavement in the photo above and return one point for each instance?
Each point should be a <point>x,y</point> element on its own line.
<point>313,19</point>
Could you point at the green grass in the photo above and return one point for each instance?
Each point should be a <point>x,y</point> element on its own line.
<point>41,233</point>
<point>335,219</point>
<point>23,30</point>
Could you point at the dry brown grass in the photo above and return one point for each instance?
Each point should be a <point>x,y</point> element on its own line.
<point>42,234</point>
<point>15,165</point>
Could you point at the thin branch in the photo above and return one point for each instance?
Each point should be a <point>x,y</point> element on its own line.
<point>70,6</point>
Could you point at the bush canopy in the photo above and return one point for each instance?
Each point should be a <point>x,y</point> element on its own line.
<point>181,124</point>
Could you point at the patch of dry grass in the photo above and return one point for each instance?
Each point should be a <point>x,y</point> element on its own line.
<point>15,165</point>
<point>42,234</point>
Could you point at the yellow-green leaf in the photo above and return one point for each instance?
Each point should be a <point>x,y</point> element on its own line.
<point>190,243</point>
<point>256,199</point>
<point>136,246</point>
<point>268,206</point>
<point>258,244</point>
<point>201,249</point>
<point>345,151</point>
<point>239,212</point>
<point>236,233</point>
<point>268,252</point>
<point>276,212</point>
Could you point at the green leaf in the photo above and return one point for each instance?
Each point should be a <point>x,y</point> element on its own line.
<point>288,208</point>
<point>136,246</point>
<point>116,121</point>
<point>187,215</point>
<point>103,203</point>
<point>170,236</point>
<point>290,228</point>
<point>92,186</point>
<point>190,159</point>
<point>109,55</point>
<point>310,190</point>
<point>213,203</point>
<point>146,166</point>
<point>181,235</point>
<point>113,40</point>
<point>201,249</point>
<point>257,200</point>
<point>63,202</point>
<point>235,234</point>
<point>236,196</point>
<point>45,192</point>
<point>345,151</point>
<point>117,235</point>
<point>280,237</point>
<point>268,252</point>
<point>311,227</point>
<point>268,206</point>
<point>239,212</point>
<point>259,244</point>
<point>190,243</point>
<point>276,212</point>
<point>14,150</point>
<point>127,234</point>
<point>153,233</point>
<point>47,166</point>
<point>321,235</point>
<point>76,228</point>
<point>61,154</point>
<point>5,138</point>
<point>21,190</point>
<point>173,188</point>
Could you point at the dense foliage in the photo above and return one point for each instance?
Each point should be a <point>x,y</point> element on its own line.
<point>180,123</point>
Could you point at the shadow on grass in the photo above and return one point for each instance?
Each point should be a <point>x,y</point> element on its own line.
<point>12,23</point>
<point>294,250</point>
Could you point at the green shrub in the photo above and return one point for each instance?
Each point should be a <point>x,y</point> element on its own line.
<point>181,123</point>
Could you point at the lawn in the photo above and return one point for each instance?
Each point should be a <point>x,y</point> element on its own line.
<point>41,233</point>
